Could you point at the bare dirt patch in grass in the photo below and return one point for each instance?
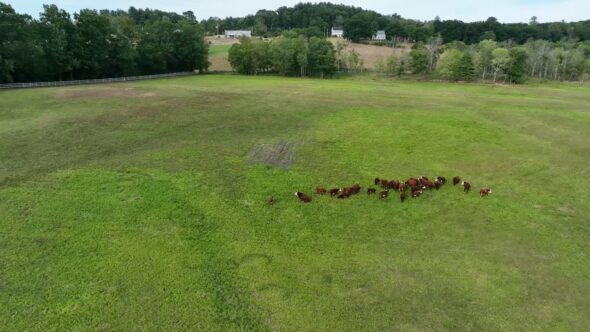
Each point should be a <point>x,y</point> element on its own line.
<point>279,154</point>
<point>103,92</point>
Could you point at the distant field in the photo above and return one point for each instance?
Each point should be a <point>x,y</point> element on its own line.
<point>370,54</point>
<point>218,53</point>
<point>143,206</point>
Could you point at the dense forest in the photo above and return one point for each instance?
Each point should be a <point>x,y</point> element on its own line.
<point>319,18</point>
<point>106,43</point>
<point>97,44</point>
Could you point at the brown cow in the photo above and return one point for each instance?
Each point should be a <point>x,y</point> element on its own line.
<point>441,179</point>
<point>484,192</point>
<point>423,178</point>
<point>412,182</point>
<point>377,181</point>
<point>371,191</point>
<point>416,193</point>
<point>466,186</point>
<point>356,188</point>
<point>402,196</point>
<point>345,193</point>
<point>384,183</point>
<point>456,180</point>
<point>426,184</point>
<point>334,192</point>
<point>383,194</point>
<point>303,197</point>
<point>320,191</point>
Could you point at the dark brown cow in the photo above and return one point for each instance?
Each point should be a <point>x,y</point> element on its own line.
<point>415,188</point>
<point>271,200</point>
<point>437,184</point>
<point>320,191</point>
<point>392,184</point>
<point>377,181</point>
<point>466,186</point>
<point>441,179</point>
<point>371,191</point>
<point>334,192</point>
<point>384,183</point>
<point>383,194</point>
<point>402,196</point>
<point>423,178</point>
<point>456,180</point>
<point>484,192</point>
<point>355,189</point>
<point>303,197</point>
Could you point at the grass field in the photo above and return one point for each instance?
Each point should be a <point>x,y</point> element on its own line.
<point>218,54</point>
<point>142,206</point>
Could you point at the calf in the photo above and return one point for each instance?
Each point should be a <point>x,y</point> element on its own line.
<point>402,196</point>
<point>303,197</point>
<point>320,191</point>
<point>466,186</point>
<point>401,187</point>
<point>371,191</point>
<point>484,192</point>
<point>456,180</point>
<point>383,194</point>
<point>334,192</point>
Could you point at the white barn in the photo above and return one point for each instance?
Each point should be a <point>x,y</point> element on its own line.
<point>237,33</point>
<point>380,35</point>
<point>337,32</point>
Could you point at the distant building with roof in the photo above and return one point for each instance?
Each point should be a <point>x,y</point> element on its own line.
<point>237,33</point>
<point>337,32</point>
<point>380,35</point>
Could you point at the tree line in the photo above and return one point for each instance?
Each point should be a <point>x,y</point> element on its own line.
<point>291,54</point>
<point>492,61</point>
<point>318,19</point>
<point>97,44</point>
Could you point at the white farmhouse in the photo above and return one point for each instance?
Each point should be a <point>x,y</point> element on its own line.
<point>337,32</point>
<point>237,33</point>
<point>380,35</point>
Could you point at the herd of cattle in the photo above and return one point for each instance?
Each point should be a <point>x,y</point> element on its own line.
<point>414,186</point>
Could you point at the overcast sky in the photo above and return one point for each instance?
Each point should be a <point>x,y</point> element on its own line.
<point>466,10</point>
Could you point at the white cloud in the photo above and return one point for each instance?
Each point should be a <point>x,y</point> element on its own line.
<point>466,10</point>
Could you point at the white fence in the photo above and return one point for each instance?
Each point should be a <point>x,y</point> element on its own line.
<point>96,81</point>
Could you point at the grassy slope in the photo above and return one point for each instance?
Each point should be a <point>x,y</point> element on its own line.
<point>144,213</point>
